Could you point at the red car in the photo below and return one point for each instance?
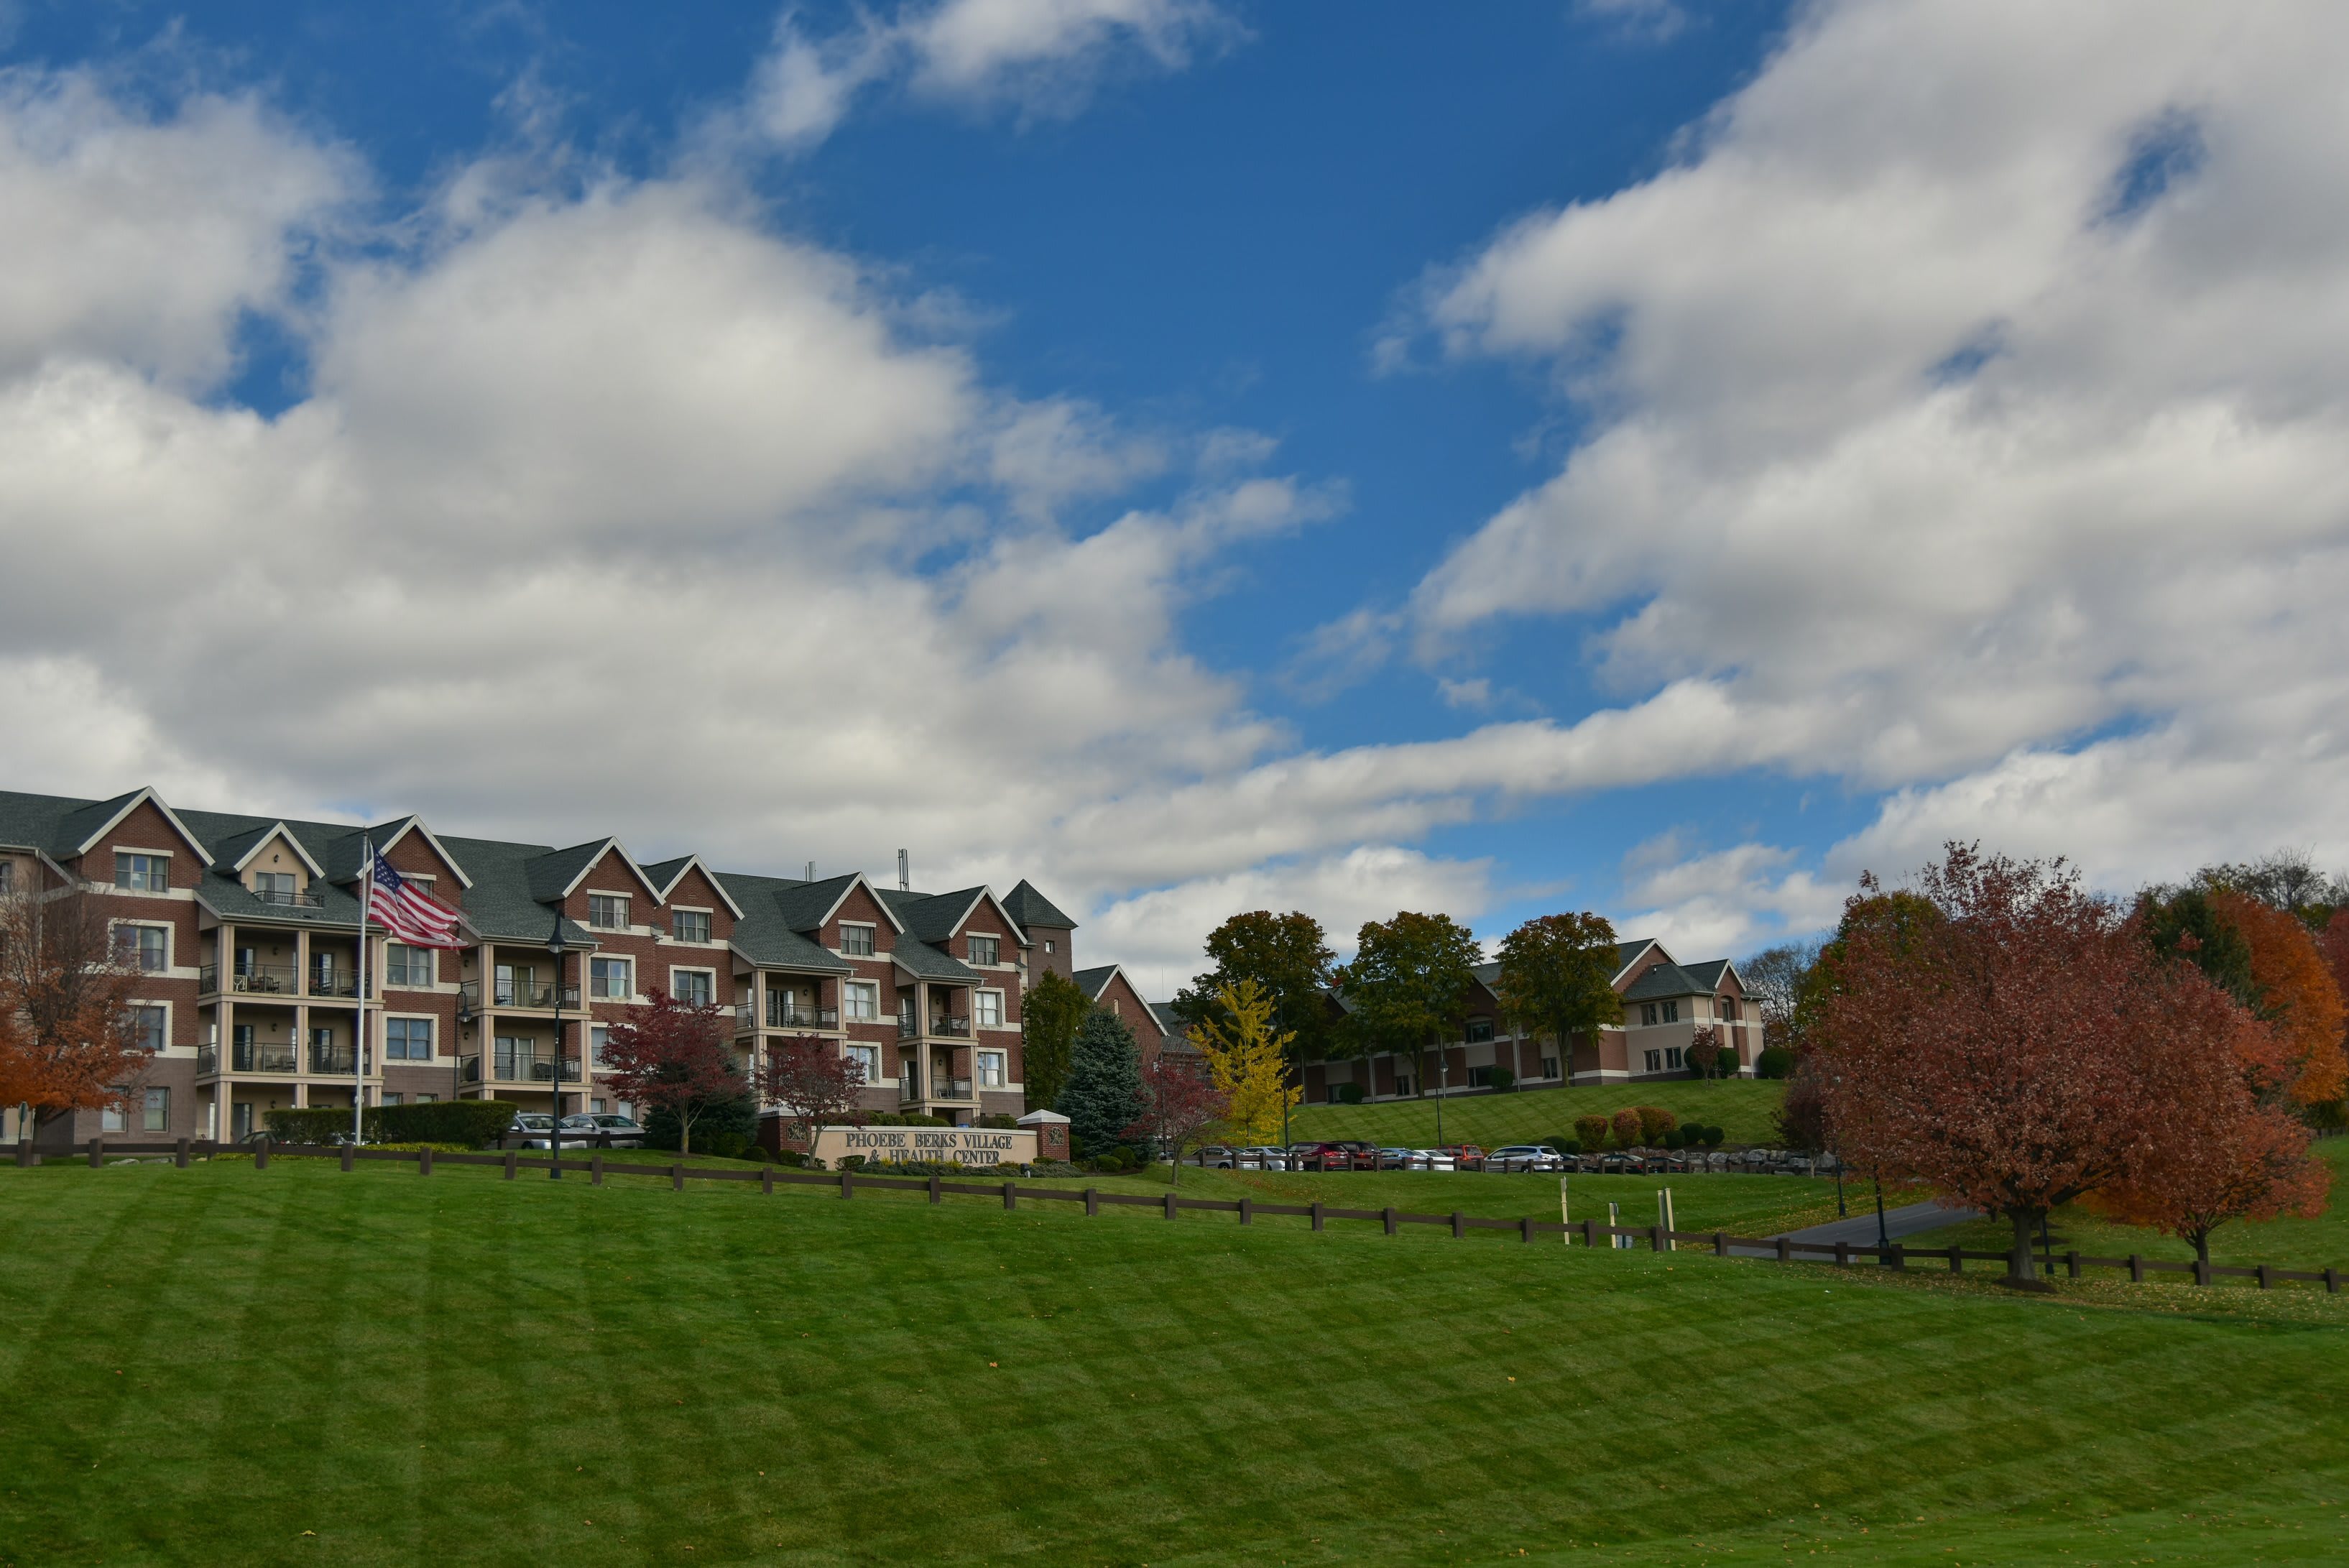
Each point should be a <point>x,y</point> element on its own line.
<point>1465,1155</point>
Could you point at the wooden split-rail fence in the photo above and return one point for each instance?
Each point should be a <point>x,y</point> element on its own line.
<point>1589,1232</point>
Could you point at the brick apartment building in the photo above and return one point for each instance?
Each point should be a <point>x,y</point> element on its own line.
<point>246,930</point>
<point>1665,1005</point>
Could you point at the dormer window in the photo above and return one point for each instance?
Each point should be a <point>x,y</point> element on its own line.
<point>690,925</point>
<point>607,911</point>
<point>275,886</point>
<point>136,873</point>
<point>984,949</point>
<point>857,941</point>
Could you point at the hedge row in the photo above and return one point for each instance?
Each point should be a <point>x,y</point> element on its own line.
<point>468,1123</point>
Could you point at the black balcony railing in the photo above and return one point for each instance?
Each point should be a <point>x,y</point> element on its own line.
<point>532,1067</point>
<point>207,1060</point>
<point>336,982</point>
<point>336,1059</point>
<point>789,1012</point>
<point>251,978</point>
<point>515,995</point>
<point>265,1056</point>
<point>286,897</point>
<point>953,1027</point>
<point>909,1084</point>
<point>469,1069</point>
<point>950,1089</point>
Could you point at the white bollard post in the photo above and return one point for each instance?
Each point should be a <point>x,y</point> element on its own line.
<point>1562,1217</point>
<point>1665,1216</point>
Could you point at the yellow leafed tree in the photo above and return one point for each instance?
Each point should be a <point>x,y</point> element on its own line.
<point>1244,1057</point>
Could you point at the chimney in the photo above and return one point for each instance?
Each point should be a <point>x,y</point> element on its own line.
<point>904,873</point>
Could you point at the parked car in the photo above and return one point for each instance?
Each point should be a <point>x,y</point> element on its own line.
<point>534,1128</point>
<point>1465,1155</point>
<point>1431,1159</point>
<point>1524,1157</point>
<point>593,1128</point>
<point>1397,1158</point>
<point>1216,1157</point>
<point>1358,1155</point>
<point>1318,1157</point>
<point>1263,1157</point>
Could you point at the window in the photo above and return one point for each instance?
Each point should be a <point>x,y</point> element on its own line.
<point>407,1039</point>
<point>987,1009</point>
<point>1480,1029</point>
<point>860,1000</point>
<point>1728,1005</point>
<point>857,941</point>
<point>405,965</point>
<point>393,1100</point>
<point>428,1099</point>
<point>983,950</point>
<point>694,987</point>
<point>142,873</point>
<point>599,1045</point>
<point>7,876</point>
<point>690,925</point>
<point>990,1069</point>
<point>1672,1011</point>
<point>610,979</point>
<point>274,886</point>
<point>1549,1067</point>
<point>155,1111</point>
<point>148,947</point>
<point>1651,1012</point>
<point>1048,947</point>
<point>151,1028</point>
<point>110,1119</point>
<point>867,1057</point>
<point>1672,1058</point>
<point>1655,1061</point>
<point>607,911</point>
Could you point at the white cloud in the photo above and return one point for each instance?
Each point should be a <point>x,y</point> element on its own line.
<point>1652,20</point>
<point>1971,385</point>
<point>1477,693</point>
<point>1043,56</point>
<point>1723,903</point>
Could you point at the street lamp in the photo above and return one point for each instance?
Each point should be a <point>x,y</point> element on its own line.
<point>558,946</point>
<point>1883,1240</point>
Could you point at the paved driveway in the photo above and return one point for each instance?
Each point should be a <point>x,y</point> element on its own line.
<point>1900,1223</point>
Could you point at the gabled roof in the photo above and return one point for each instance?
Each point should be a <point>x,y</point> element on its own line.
<point>85,828</point>
<point>1093,982</point>
<point>936,916</point>
<point>764,936</point>
<point>923,961</point>
<point>344,856</point>
<point>1666,980</point>
<point>808,905</point>
<point>557,874</point>
<point>500,903</point>
<point>1027,907</point>
<point>1169,1023</point>
<point>1628,953</point>
<point>669,873</point>
<point>1708,974</point>
<point>239,851</point>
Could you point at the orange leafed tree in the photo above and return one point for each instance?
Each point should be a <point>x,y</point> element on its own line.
<point>2024,1049</point>
<point>2299,997</point>
<point>2232,1158</point>
<point>66,1037</point>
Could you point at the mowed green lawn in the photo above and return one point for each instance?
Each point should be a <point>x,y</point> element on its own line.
<point>1742,1108</point>
<point>297,1364</point>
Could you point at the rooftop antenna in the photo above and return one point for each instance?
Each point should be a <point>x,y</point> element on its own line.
<point>904,872</point>
<point>811,876</point>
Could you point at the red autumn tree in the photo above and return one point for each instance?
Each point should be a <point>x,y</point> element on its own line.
<point>1703,1053</point>
<point>2297,995</point>
<point>813,1086</point>
<point>673,1057</point>
<point>66,1039</point>
<point>1178,1107</point>
<point>2023,1049</point>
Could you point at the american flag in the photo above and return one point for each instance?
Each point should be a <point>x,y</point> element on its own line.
<point>407,912</point>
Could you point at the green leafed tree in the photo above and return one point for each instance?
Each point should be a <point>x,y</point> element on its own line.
<point>1103,1092</point>
<point>1049,1017</point>
<point>1289,958</point>
<point>1409,983</point>
<point>1558,978</point>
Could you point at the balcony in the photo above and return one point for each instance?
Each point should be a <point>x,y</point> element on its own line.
<point>513,995</point>
<point>958,1028</point>
<point>909,1084</point>
<point>286,899</point>
<point>469,1069</point>
<point>342,982</point>
<point>789,1012</point>
<point>250,979</point>
<point>207,1060</point>
<point>265,1056</point>
<point>530,1068</point>
<point>951,1089</point>
<point>336,1059</point>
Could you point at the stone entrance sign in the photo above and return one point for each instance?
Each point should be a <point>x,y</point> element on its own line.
<point>972,1146</point>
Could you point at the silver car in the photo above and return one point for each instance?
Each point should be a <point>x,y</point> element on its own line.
<point>588,1128</point>
<point>1263,1158</point>
<point>1524,1157</point>
<point>1431,1159</point>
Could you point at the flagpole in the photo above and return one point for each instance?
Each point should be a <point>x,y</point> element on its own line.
<point>359,1036</point>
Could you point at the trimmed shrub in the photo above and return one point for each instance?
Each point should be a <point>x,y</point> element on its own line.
<point>1655,1122</point>
<point>310,1124</point>
<point>1503,1080</point>
<point>999,1121</point>
<point>1347,1094</point>
<point>1628,1128</point>
<point>472,1123</point>
<point>1713,1138</point>
<point>1776,1062</point>
<point>1591,1130</point>
<point>735,1115</point>
<point>1674,1139</point>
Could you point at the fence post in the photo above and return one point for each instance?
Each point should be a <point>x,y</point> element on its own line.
<point>2072,1263</point>
<point>1459,1225</point>
<point>847,1182</point>
<point>1170,1206</point>
<point>1092,1202</point>
<point>513,1163</point>
<point>1721,1243</point>
<point>424,1160</point>
<point>1247,1211</point>
<point>935,1196</point>
<point>97,1152</point>
<point>1656,1242</point>
<point>2333,1281</point>
<point>1010,1196</point>
<point>2265,1283</point>
<point>1900,1259</point>
<point>676,1178</point>
<point>1786,1251</point>
<point>1525,1229</point>
<point>180,1155</point>
<point>1389,1217</point>
<point>1591,1232</point>
<point>1843,1254</point>
<point>261,1154</point>
<point>1317,1214</point>
<point>1957,1260</point>
<point>596,1166</point>
<point>24,1154</point>
<point>766,1178</point>
<point>2136,1269</point>
<point>349,1154</point>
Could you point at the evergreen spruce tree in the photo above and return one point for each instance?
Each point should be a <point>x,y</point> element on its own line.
<point>1103,1092</point>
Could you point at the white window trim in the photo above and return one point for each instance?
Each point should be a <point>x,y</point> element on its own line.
<point>676,909</point>
<point>1003,1066</point>
<point>596,995</point>
<point>868,987</point>
<point>676,970</point>
<point>1002,1014</point>
<point>143,1002</point>
<point>171,955</point>
<point>873,948</point>
<point>627,910</point>
<point>431,963</point>
<point>439,1046</point>
<point>1001,942</point>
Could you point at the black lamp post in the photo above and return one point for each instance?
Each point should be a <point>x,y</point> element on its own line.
<point>558,946</point>
<point>1883,1240</point>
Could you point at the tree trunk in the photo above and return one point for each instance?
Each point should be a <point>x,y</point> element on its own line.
<point>684,1133</point>
<point>2024,1265</point>
<point>2201,1240</point>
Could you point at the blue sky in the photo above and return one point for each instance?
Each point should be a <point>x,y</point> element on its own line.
<point>1658,458</point>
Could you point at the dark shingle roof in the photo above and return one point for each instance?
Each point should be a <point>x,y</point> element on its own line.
<point>552,872</point>
<point>31,821</point>
<point>1093,982</point>
<point>1029,908</point>
<point>765,934</point>
<point>664,872</point>
<point>1706,975</point>
<point>803,904</point>
<point>1664,980</point>
<point>924,961</point>
<point>932,916</point>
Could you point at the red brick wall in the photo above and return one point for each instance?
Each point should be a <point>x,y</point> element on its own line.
<point>414,856</point>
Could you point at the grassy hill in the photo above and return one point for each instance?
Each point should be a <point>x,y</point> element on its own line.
<point>1742,1108</point>
<point>301,1365</point>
